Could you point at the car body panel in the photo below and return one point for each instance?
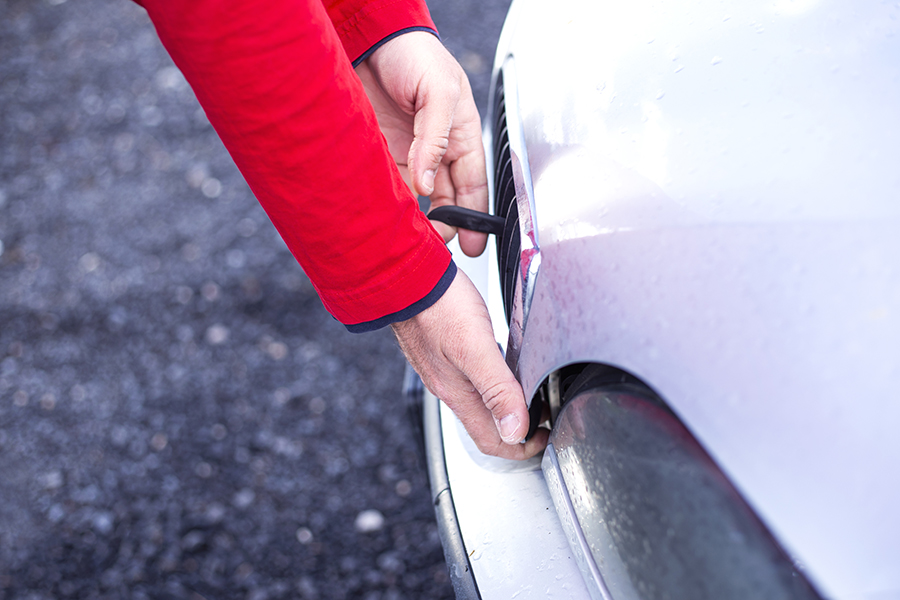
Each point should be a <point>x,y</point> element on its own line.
<point>808,451</point>
<point>716,202</point>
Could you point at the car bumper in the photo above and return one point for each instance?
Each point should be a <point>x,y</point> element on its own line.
<point>501,534</point>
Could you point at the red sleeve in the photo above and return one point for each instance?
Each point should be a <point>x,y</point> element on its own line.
<point>277,86</point>
<point>362,24</point>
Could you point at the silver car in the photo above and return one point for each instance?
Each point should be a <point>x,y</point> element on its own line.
<point>700,277</point>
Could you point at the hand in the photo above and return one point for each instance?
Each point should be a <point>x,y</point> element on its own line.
<point>451,345</point>
<point>425,109</point>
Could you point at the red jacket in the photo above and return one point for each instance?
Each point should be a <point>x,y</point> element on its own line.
<point>276,82</point>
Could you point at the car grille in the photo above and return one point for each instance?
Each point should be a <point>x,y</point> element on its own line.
<point>508,244</point>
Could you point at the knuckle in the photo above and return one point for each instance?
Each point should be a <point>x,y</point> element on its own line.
<point>438,146</point>
<point>472,190</point>
<point>501,397</point>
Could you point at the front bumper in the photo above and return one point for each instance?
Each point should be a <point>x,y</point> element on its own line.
<point>500,531</point>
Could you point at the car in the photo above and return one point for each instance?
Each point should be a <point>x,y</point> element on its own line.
<point>699,276</point>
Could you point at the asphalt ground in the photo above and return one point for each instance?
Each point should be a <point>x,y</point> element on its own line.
<point>179,416</point>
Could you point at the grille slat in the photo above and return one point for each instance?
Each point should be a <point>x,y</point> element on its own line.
<point>508,244</point>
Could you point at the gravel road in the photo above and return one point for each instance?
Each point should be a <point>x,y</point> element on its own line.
<point>179,416</point>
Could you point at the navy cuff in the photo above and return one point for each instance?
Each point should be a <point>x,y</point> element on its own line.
<point>381,43</point>
<point>410,311</point>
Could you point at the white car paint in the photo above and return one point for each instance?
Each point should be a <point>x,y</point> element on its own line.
<point>717,201</point>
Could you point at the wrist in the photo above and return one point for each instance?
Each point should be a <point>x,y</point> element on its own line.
<point>390,38</point>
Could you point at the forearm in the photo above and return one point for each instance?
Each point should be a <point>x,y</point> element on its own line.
<point>276,84</point>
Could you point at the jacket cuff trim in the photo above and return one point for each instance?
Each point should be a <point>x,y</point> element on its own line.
<point>385,40</point>
<point>409,312</point>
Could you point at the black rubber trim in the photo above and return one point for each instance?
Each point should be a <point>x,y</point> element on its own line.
<point>535,410</point>
<point>385,40</point>
<point>505,203</point>
<point>466,218</point>
<point>412,310</point>
<point>448,526</point>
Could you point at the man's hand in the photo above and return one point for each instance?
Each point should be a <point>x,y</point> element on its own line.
<point>451,345</point>
<point>427,114</point>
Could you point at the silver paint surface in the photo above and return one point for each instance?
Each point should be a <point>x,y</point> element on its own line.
<point>717,199</point>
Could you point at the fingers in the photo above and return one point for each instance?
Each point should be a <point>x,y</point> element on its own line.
<point>427,113</point>
<point>461,177</point>
<point>436,101</point>
<point>484,434</point>
<point>463,183</point>
<point>496,387</point>
<point>481,424</point>
<point>470,180</point>
<point>498,422</point>
<point>443,195</point>
<point>452,347</point>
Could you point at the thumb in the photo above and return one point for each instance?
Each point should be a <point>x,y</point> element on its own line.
<point>510,414</point>
<point>431,132</point>
<point>500,391</point>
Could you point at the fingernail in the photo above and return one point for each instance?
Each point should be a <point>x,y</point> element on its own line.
<point>428,180</point>
<point>508,427</point>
